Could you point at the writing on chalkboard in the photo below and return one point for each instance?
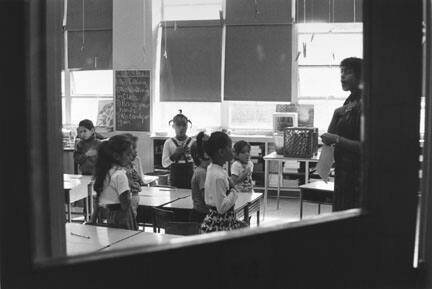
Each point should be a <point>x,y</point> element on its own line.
<point>132,92</point>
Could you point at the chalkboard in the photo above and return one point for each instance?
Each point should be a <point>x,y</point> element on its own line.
<point>132,98</point>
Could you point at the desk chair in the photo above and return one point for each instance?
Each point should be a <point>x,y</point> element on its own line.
<point>183,228</point>
<point>160,218</point>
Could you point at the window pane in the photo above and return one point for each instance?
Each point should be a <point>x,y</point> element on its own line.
<point>202,114</point>
<point>320,82</point>
<point>63,110</point>
<point>191,9</point>
<point>86,108</point>
<point>251,115</point>
<point>328,48</point>
<point>323,111</point>
<point>97,82</point>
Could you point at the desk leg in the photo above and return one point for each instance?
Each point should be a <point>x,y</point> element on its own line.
<point>266,176</point>
<point>301,204</point>
<point>319,208</point>
<point>67,200</point>
<point>306,172</point>
<point>246,213</point>
<point>258,217</point>
<point>279,181</point>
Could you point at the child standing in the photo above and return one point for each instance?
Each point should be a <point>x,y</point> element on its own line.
<point>242,168</point>
<point>133,172</point>
<point>111,182</point>
<point>176,153</point>
<point>202,161</point>
<point>220,194</point>
<point>86,149</point>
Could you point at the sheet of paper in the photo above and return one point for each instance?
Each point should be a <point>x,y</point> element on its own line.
<point>325,162</point>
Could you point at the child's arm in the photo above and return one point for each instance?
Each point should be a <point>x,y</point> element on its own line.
<point>125,200</point>
<point>236,175</point>
<point>223,201</point>
<point>169,156</point>
<point>79,155</point>
<point>122,187</point>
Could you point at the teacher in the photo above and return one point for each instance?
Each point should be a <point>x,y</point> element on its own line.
<point>344,134</point>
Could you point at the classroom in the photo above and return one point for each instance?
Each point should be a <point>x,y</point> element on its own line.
<point>283,143</point>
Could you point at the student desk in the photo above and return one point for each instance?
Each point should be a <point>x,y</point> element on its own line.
<point>316,192</point>
<point>77,187</point>
<point>280,159</point>
<point>246,204</point>
<point>141,239</point>
<point>159,196</point>
<point>81,238</point>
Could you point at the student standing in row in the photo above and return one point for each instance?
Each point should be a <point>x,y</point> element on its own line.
<point>242,167</point>
<point>112,184</point>
<point>202,161</point>
<point>220,194</point>
<point>133,172</point>
<point>176,153</point>
<point>86,149</point>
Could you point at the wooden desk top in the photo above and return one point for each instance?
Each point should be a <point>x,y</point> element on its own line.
<point>141,239</point>
<point>158,196</point>
<point>78,186</point>
<point>319,186</point>
<point>92,238</point>
<point>275,156</point>
<point>242,200</point>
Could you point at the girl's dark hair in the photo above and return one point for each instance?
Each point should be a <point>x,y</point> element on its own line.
<point>180,118</point>
<point>238,146</point>
<point>105,160</point>
<point>133,139</point>
<point>218,140</point>
<point>353,63</point>
<point>197,148</point>
<point>88,124</point>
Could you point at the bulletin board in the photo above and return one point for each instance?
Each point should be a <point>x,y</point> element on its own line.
<point>132,100</point>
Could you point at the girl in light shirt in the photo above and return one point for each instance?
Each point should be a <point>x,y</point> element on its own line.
<point>219,192</point>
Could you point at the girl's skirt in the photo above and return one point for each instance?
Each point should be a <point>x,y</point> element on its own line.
<point>215,221</point>
<point>119,218</point>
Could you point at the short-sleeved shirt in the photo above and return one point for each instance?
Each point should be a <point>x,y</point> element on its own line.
<point>237,168</point>
<point>216,190</point>
<point>198,184</point>
<point>116,183</point>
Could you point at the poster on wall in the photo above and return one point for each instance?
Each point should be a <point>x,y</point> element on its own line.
<point>132,100</point>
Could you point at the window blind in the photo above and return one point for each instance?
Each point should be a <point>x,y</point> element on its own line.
<point>258,63</point>
<point>191,61</point>
<point>89,34</point>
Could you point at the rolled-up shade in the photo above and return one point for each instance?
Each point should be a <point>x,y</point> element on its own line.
<point>89,32</point>
<point>191,61</point>
<point>258,63</point>
<point>329,11</point>
<point>98,14</point>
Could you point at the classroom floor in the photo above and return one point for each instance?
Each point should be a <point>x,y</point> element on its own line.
<point>289,211</point>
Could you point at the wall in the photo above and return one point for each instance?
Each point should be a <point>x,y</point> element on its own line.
<point>134,34</point>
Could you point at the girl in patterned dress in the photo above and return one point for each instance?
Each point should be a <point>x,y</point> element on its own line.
<point>220,194</point>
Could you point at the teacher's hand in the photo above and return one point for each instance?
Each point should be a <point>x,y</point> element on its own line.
<point>329,138</point>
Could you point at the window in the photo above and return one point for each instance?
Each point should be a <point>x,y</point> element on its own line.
<point>90,93</point>
<point>321,47</point>
<point>174,10</point>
